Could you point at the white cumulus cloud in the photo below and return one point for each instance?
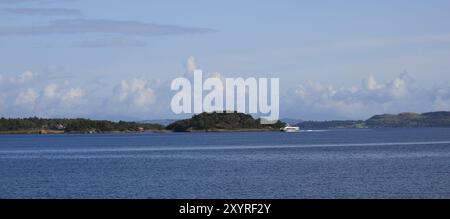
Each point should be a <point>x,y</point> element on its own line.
<point>191,65</point>
<point>135,94</point>
<point>315,100</point>
<point>27,98</point>
<point>72,96</point>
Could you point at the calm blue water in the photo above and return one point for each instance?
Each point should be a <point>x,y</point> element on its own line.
<point>380,163</point>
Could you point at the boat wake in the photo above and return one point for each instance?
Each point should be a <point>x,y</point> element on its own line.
<point>324,130</point>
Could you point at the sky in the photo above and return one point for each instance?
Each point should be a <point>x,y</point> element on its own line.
<point>112,59</point>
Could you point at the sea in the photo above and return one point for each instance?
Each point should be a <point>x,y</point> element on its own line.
<point>320,164</point>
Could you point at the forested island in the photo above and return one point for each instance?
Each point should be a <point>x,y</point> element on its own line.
<point>220,121</point>
<point>36,125</point>
<point>402,120</point>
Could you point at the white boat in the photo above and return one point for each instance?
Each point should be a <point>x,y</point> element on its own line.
<point>289,128</point>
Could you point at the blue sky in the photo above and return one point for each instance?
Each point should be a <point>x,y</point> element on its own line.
<point>106,59</point>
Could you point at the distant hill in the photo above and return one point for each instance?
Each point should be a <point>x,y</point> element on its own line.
<point>432,119</point>
<point>163,122</point>
<point>221,122</point>
<point>335,124</point>
<point>291,120</point>
<point>402,120</point>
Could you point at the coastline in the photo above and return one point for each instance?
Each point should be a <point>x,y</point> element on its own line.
<point>215,122</point>
<point>60,132</point>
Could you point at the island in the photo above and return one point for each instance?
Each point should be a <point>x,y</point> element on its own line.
<point>223,121</point>
<point>402,120</point>
<point>34,125</point>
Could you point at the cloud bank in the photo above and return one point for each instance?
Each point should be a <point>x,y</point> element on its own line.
<point>317,101</point>
<point>110,42</point>
<point>41,11</point>
<point>29,94</point>
<point>79,26</point>
<point>12,2</point>
<point>32,94</point>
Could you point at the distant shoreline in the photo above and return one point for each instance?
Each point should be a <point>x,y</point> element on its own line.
<point>61,132</point>
<point>216,122</point>
<point>55,132</point>
<point>58,132</point>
